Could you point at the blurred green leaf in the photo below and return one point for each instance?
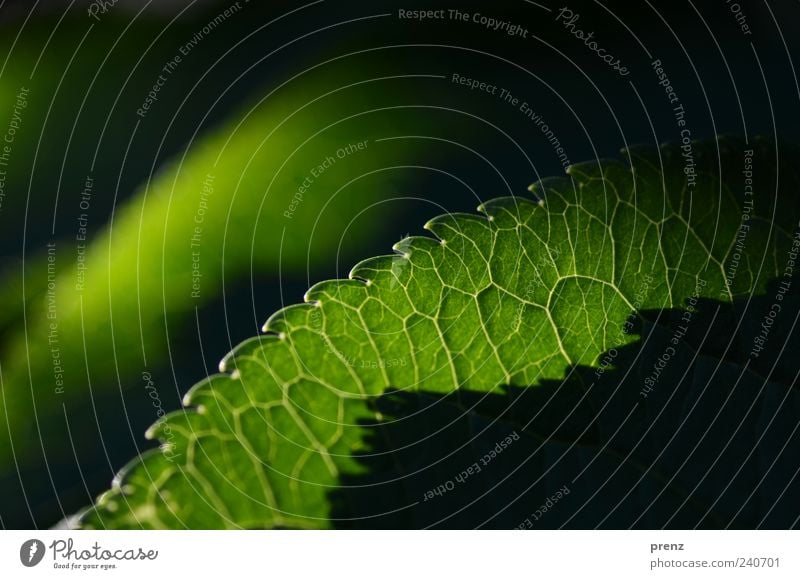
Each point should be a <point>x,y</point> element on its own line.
<point>274,189</point>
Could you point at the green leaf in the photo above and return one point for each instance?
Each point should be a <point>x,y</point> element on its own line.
<point>353,408</point>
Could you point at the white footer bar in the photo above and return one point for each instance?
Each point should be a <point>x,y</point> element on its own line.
<point>400,554</point>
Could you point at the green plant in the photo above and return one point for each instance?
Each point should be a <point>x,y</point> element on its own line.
<point>428,351</point>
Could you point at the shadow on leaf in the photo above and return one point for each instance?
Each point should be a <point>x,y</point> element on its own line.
<point>689,426</point>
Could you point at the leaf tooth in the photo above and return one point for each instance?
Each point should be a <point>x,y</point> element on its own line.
<point>403,246</point>
<point>119,485</point>
<point>542,187</point>
<point>435,227</point>
<point>670,153</point>
<point>446,226</point>
<point>725,150</point>
<point>280,322</point>
<point>158,427</point>
<point>370,269</point>
<point>644,153</point>
<point>203,387</point>
<point>594,169</point>
<point>518,207</point>
<point>123,474</point>
<point>246,348</point>
<point>327,290</point>
<point>409,245</point>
